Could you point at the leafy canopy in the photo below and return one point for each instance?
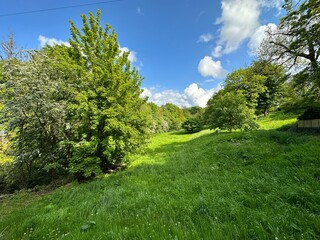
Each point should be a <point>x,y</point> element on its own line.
<point>107,103</point>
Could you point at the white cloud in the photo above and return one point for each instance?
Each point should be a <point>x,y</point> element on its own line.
<point>240,19</point>
<point>258,36</point>
<point>240,22</point>
<point>205,38</point>
<point>51,41</point>
<point>198,96</point>
<point>132,55</point>
<point>193,95</point>
<point>209,68</point>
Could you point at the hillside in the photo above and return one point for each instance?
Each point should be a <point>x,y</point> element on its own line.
<point>242,185</point>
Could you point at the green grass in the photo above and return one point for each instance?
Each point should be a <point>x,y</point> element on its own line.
<point>242,185</point>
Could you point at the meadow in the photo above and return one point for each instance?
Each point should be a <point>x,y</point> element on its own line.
<point>262,184</point>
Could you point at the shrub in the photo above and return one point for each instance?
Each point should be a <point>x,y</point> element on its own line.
<point>228,111</point>
<point>192,125</point>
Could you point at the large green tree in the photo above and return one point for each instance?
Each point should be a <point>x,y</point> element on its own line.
<point>295,44</point>
<point>107,103</point>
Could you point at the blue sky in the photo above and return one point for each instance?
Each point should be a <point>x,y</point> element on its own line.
<point>182,48</point>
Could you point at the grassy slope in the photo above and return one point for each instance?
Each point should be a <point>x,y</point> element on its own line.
<point>254,185</point>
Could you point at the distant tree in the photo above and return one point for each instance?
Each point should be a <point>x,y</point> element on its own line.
<point>195,110</point>
<point>229,111</point>
<point>156,121</point>
<point>173,115</point>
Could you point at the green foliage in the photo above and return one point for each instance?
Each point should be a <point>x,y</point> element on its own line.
<point>297,36</point>
<point>173,115</point>
<point>192,125</point>
<point>260,83</point>
<point>166,118</point>
<point>106,108</point>
<point>228,111</point>
<point>156,120</point>
<point>83,162</point>
<point>195,120</point>
<point>248,82</point>
<point>307,85</point>
<point>35,113</point>
<point>274,78</point>
<point>262,184</point>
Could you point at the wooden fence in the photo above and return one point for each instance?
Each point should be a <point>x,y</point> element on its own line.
<point>315,123</point>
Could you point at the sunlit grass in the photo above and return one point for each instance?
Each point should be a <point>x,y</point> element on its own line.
<point>243,185</point>
<point>276,120</point>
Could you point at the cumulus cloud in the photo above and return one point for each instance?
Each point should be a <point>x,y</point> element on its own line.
<point>51,41</point>
<point>193,95</point>
<point>239,20</point>
<point>198,96</point>
<point>205,38</point>
<point>132,55</point>
<point>258,36</point>
<point>209,68</point>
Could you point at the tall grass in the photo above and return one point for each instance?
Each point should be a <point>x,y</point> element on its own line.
<point>242,185</point>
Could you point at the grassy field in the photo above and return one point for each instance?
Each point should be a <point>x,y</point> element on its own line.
<point>243,185</point>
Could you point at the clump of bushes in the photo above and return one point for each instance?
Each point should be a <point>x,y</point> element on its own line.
<point>193,125</point>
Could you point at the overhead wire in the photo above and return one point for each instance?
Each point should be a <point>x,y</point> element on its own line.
<point>59,8</point>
